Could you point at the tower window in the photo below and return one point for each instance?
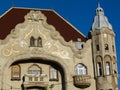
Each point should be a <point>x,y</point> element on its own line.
<point>97,47</point>
<point>107,68</point>
<point>53,74</point>
<point>32,41</point>
<point>80,69</point>
<point>113,48</point>
<point>106,47</point>
<point>99,68</point>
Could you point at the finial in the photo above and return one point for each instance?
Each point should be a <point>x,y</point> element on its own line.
<point>98,4</point>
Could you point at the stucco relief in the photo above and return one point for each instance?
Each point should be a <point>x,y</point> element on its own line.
<point>11,49</point>
<point>35,25</point>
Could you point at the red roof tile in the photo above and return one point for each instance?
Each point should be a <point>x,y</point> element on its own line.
<point>16,15</point>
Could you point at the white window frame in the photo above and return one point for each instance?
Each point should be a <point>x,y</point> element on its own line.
<point>53,74</point>
<point>81,69</point>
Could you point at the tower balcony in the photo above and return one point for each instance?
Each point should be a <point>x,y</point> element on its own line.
<point>34,80</point>
<point>82,81</point>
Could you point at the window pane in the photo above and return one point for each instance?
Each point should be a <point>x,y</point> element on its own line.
<point>15,70</point>
<point>53,73</point>
<point>107,68</point>
<point>99,68</point>
<point>34,69</point>
<point>80,70</point>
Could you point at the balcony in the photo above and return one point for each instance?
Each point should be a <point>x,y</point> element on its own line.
<point>34,80</point>
<point>82,81</point>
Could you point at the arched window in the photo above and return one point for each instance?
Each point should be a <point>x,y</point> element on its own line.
<point>32,41</point>
<point>39,42</point>
<point>99,68</point>
<point>107,68</point>
<point>108,62</point>
<point>34,70</point>
<point>15,72</point>
<point>80,69</point>
<point>53,74</point>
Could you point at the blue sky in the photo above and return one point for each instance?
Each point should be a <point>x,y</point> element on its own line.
<point>79,13</point>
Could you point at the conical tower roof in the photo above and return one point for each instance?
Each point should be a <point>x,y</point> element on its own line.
<point>100,20</point>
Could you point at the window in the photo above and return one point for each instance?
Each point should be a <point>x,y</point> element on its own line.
<point>106,47</point>
<point>80,69</point>
<point>97,47</point>
<point>15,72</point>
<point>35,42</point>
<point>32,41</point>
<point>113,48</point>
<point>39,42</point>
<point>53,74</point>
<point>34,70</point>
<point>99,68</point>
<point>107,68</point>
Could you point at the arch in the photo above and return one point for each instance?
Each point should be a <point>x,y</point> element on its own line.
<point>99,58</point>
<point>36,87</point>
<point>34,69</point>
<point>108,64</point>
<point>107,58</point>
<point>99,65</point>
<point>80,69</point>
<point>52,59</point>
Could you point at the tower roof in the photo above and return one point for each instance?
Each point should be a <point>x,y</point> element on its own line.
<point>100,20</point>
<point>14,16</point>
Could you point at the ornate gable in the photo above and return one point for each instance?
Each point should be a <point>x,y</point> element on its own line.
<point>36,37</point>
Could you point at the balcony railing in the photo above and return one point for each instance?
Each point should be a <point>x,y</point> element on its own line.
<point>82,81</point>
<point>31,80</point>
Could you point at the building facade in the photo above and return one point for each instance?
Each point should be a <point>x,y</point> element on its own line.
<point>39,50</point>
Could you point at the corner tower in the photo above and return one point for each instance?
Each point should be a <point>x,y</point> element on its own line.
<point>104,52</point>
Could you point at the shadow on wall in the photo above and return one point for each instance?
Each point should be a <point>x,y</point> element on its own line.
<point>55,65</point>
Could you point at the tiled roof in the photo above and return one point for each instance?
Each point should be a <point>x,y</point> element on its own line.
<point>14,16</point>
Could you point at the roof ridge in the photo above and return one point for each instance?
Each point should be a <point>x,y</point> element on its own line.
<point>32,8</point>
<point>75,33</point>
<point>22,8</point>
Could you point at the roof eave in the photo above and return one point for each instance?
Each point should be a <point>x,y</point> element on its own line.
<point>70,24</point>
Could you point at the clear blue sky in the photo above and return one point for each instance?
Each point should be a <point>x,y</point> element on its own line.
<point>79,13</point>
